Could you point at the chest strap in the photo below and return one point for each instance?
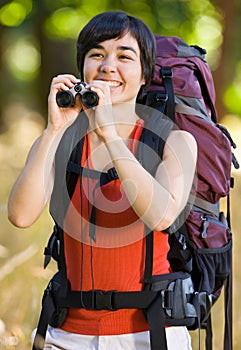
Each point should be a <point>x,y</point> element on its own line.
<point>103,177</point>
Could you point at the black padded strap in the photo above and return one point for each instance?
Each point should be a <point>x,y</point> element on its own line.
<point>167,75</point>
<point>149,256</point>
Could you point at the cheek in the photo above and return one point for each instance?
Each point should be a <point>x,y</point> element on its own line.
<point>141,80</point>
<point>137,75</point>
<point>85,73</point>
<point>88,71</point>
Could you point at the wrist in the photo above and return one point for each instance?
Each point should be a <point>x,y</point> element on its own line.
<point>50,132</point>
<point>50,135</point>
<point>111,138</point>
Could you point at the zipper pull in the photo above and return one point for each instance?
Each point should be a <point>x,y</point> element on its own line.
<point>204,226</point>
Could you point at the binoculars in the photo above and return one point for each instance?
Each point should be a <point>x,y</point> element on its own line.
<point>66,98</point>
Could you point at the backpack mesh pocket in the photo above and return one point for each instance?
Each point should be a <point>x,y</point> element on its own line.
<point>214,264</point>
<point>211,242</point>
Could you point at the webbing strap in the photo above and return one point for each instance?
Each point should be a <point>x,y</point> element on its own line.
<point>166,74</point>
<point>212,208</point>
<point>184,109</point>
<point>149,256</point>
<point>106,300</point>
<point>228,301</point>
<point>228,297</point>
<point>209,334</point>
<point>206,95</point>
<point>156,322</point>
<point>155,312</point>
<point>47,311</point>
<point>104,177</point>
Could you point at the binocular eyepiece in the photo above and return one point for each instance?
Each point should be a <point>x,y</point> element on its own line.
<point>66,98</point>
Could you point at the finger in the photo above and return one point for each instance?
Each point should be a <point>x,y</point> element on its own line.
<point>64,81</point>
<point>99,84</point>
<point>70,77</point>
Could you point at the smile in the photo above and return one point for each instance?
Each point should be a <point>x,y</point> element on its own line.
<point>113,83</point>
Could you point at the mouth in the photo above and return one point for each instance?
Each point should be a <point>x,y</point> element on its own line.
<point>112,83</point>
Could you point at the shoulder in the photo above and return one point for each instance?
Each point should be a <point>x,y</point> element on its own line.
<point>182,135</point>
<point>177,137</point>
<point>180,141</point>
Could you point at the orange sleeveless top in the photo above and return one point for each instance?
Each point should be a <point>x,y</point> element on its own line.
<point>116,260</point>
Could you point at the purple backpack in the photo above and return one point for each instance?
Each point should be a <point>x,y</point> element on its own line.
<point>182,88</point>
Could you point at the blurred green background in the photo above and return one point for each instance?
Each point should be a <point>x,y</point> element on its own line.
<point>37,41</point>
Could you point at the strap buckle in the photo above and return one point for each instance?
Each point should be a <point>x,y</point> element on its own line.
<point>166,72</point>
<point>104,300</point>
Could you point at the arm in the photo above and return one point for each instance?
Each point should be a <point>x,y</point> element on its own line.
<point>157,201</point>
<point>33,187</point>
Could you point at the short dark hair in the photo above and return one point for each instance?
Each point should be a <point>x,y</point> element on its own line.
<point>115,24</point>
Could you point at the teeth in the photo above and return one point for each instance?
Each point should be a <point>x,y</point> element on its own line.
<point>113,83</point>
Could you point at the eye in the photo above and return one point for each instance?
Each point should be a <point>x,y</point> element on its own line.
<point>125,57</point>
<point>96,54</point>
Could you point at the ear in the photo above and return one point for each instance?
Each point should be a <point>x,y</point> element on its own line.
<point>143,81</point>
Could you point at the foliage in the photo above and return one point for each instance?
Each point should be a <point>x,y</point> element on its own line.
<point>37,41</point>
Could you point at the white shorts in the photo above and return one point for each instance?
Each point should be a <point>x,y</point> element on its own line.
<point>57,339</point>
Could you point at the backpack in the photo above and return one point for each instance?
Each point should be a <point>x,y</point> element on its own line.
<point>183,89</point>
<point>200,239</point>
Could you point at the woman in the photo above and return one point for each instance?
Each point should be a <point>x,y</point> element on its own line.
<point>116,54</point>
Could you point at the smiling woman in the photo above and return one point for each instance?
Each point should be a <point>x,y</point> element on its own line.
<point>111,201</point>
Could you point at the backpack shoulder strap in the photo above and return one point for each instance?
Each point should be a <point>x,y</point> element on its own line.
<point>153,138</point>
<point>69,147</point>
<point>149,153</point>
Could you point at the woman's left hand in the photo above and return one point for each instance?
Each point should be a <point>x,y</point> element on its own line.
<point>101,117</point>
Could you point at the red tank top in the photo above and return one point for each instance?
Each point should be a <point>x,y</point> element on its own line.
<point>116,260</point>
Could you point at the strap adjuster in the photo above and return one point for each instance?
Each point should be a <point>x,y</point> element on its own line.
<point>112,174</point>
<point>166,72</point>
<point>104,300</point>
<point>167,299</point>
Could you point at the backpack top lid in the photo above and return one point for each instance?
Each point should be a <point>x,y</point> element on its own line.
<point>191,74</point>
<point>172,46</point>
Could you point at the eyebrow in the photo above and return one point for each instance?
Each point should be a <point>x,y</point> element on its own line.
<point>127,48</point>
<point>121,48</point>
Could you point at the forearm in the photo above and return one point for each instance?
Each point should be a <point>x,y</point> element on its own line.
<point>151,200</point>
<point>32,189</point>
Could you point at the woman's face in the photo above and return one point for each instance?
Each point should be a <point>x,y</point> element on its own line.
<point>117,62</point>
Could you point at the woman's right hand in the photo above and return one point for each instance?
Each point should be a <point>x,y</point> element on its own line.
<point>61,117</point>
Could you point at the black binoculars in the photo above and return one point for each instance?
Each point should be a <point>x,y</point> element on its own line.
<point>66,98</point>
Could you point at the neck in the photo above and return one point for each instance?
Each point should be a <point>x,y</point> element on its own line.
<point>125,118</point>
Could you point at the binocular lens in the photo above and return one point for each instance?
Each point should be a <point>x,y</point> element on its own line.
<point>90,99</point>
<point>64,99</point>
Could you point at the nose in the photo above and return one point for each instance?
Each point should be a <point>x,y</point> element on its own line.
<point>108,66</point>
